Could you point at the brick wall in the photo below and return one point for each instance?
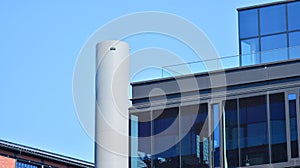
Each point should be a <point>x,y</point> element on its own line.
<point>6,162</point>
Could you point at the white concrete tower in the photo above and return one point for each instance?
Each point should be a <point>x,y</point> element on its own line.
<point>112,103</point>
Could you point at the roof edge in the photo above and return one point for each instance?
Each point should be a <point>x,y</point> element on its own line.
<point>265,5</point>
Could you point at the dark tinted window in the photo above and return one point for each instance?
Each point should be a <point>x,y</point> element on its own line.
<point>293,125</point>
<point>231,133</point>
<point>165,138</point>
<point>272,19</point>
<point>253,131</point>
<point>278,128</point>
<point>274,48</point>
<point>194,129</point>
<point>248,23</point>
<point>293,15</point>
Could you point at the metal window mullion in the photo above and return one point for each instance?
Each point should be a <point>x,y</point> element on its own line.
<point>180,135</point>
<point>297,120</point>
<point>259,34</point>
<point>269,126</point>
<point>210,130</point>
<point>221,128</point>
<point>287,30</point>
<point>287,116</point>
<point>239,137</point>
<point>151,138</point>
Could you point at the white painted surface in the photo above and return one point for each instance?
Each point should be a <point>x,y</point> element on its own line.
<point>112,102</point>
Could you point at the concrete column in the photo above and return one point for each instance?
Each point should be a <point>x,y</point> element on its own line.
<point>112,103</point>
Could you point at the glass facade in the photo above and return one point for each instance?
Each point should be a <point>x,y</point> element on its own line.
<point>269,33</point>
<point>256,130</point>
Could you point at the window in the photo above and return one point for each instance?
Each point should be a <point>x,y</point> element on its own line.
<point>278,128</point>
<point>216,135</point>
<point>195,142</point>
<point>25,165</point>
<point>231,133</point>
<point>165,138</point>
<point>294,41</point>
<point>253,131</point>
<point>293,15</point>
<point>248,23</point>
<point>273,19</point>
<point>140,132</point>
<point>293,125</point>
<point>274,48</point>
<point>250,49</point>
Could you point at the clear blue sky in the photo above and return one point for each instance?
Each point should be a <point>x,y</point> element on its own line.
<point>39,45</point>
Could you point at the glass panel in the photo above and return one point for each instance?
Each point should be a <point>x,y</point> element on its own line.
<point>194,129</point>
<point>253,131</point>
<point>293,125</point>
<point>293,15</point>
<point>278,128</point>
<point>165,138</point>
<point>250,49</point>
<point>140,132</point>
<point>274,48</point>
<point>248,23</point>
<point>216,137</point>
<point>294,42</point>
<point>231,133</point>
<point>25,165</point>
<point>272,19</point>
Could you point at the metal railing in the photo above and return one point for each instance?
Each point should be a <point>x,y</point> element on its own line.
<point>222,63</point>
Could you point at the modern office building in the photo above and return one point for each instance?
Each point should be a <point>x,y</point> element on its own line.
<point>18,156</point>
<point>244,116</point>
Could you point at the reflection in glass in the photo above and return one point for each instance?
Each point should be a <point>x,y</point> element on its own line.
<point>273,19</point>
<point>294,42</point>
<point>248,23</point>
<point>194,129</point>
<point>293,15</point>
<point>249,51</point>
<point>274,48</point>
<point>293,125</point>
<point>216,136</point>
<point>231,133</point>
<point>165,138</point>
<point>140,129</point>
<point>278,128</point>
<point>253,131</point>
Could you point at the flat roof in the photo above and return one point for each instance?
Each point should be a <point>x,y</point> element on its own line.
<point>44,154</point>
<point>266,4</point>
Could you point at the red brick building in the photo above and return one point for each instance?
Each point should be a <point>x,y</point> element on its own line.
<point>18,156</point>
